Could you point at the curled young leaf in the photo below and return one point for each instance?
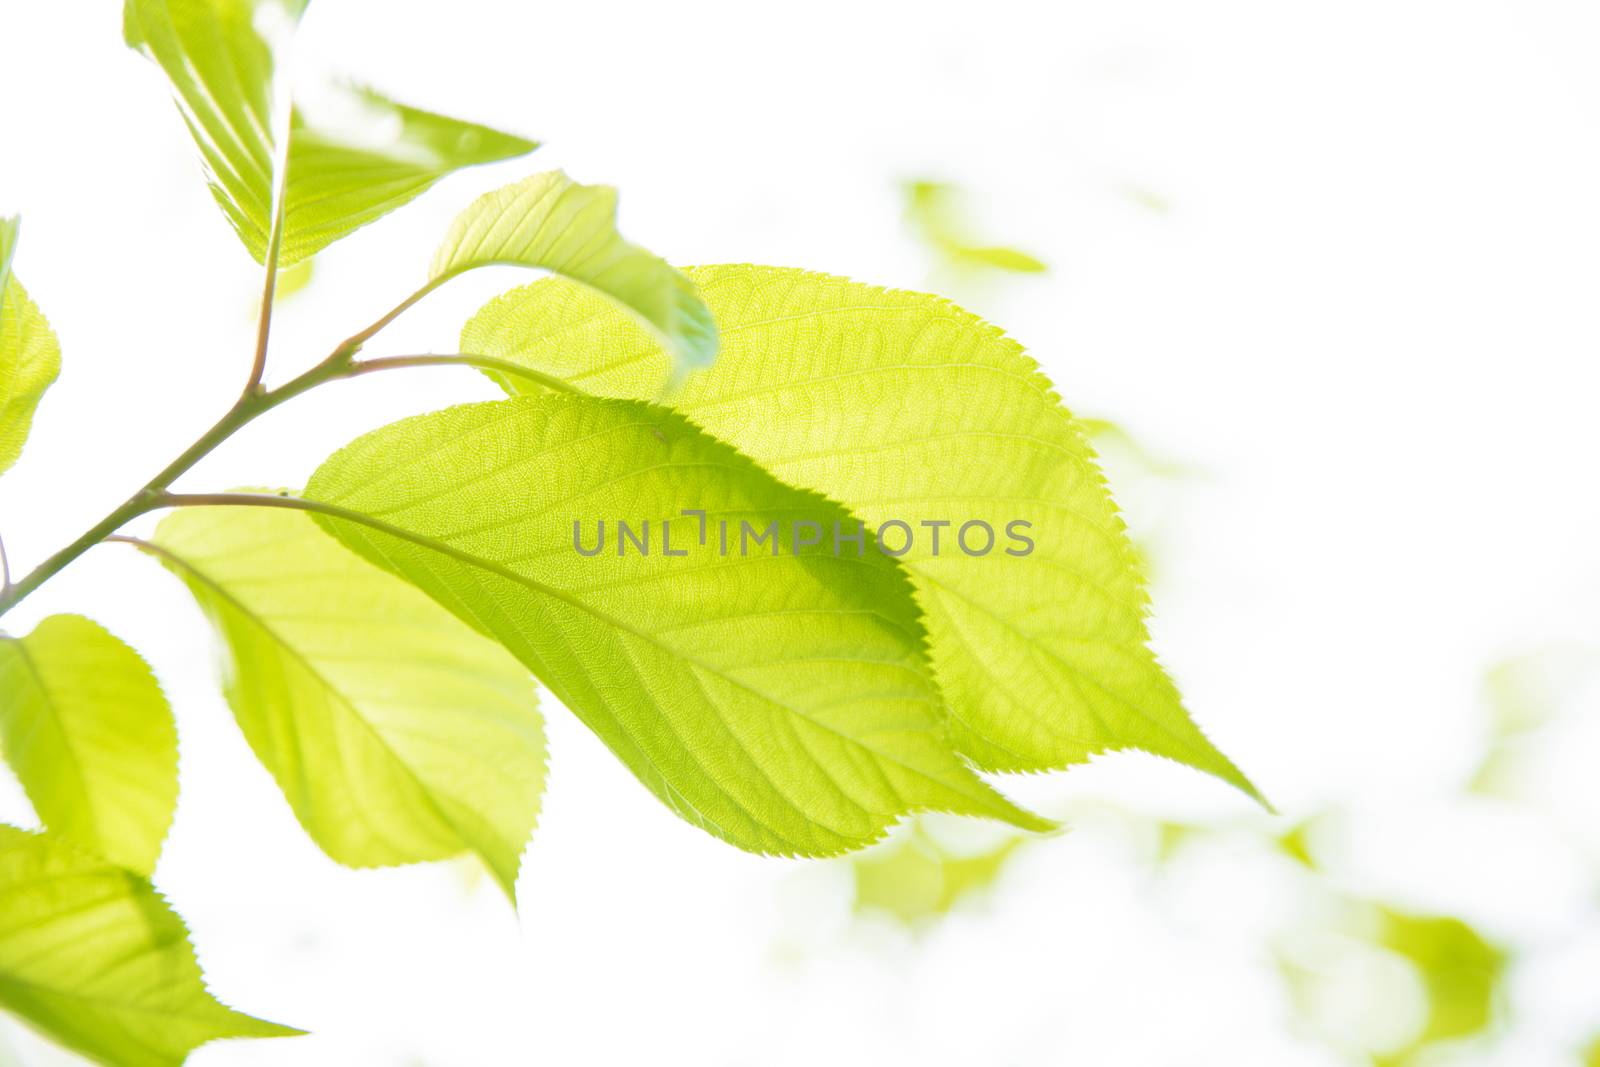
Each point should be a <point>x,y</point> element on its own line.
<point>30,355</point>
<point>778,699</point>
<point>90,735</point>
<point>911,411</point>
<point>353,155</point>
<point>551,222</point>
<point>93,956</point>
<point>397,734</point>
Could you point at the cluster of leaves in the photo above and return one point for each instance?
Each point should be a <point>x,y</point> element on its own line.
<point>385,627</point>
<point>1381,982</point>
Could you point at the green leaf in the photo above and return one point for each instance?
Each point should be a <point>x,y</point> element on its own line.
<point>904,407</point>
<point>1366,946</point>
<point>30,356</point>
<point>397,733</point>
<point>779,701</point>
<point>1460,970</point>
<point>371,157</point>
<point>919,879</point>
<point>94,957</point>
<point>1525,694</point>
<point>934,211</point>
<point>551,222</point>
<point>10,228</point>
<point>353,158</point>
<point>295,280</point>
<point>91,737</point>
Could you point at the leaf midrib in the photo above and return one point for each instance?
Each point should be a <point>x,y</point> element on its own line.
<point>256,620</point>
<point>74,760</point>
<point>460,555</point>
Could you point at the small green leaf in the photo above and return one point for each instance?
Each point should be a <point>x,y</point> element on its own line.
<point>91,737</point>
<point>220,67</point>
<point>1525,693</point>
<point>778,699</point>
<point>906,408</point>
<point>93,956</point>
<point>551,222</point>
<point>353,158</point>
<point>1391,956</point>
<point>295,280</point>
<point>372,155</point>
<point>10,228</point>
<point>30,356</point>
<point>918,879</point>
<point>397,733</point>
<point>1460,969</point>
<point>934,211</point>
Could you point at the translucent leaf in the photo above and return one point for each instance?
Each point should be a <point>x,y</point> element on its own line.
<point>91,955</point>
<point>1452,975</point>
<point>551,222</point>
<point>1108,436</point>
<point>777,699</point>
<point>906,408</point>
<point>10,227</point>
<point>1460,970</point>
<point>1525,694</point>
<point>353,158</point>
<point>91,737</point>
<point>918,879</point>
<point>397,733</point>
<point>296,279</point>
<point>372,156</point>
<point>30,356</point>
<point>934,211</point>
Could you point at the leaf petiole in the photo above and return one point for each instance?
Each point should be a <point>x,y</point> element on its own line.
<point>339,365</point>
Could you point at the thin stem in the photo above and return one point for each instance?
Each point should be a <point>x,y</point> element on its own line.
<point>271,500</point>
<point>245,410</point>
<point>280,213</point>
<point>501,366</point>
<point>139,502</point>
<point>352,344</point>
<point>253,403</point>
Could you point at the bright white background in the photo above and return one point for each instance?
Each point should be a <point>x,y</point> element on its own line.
<point>1368,320</point>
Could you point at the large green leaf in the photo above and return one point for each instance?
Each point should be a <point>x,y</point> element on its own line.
<point>904,407</point>
<point>396,732</point>
<point>352,159</point>
<point>551,222</point>
<point>91,737</point>
<point>779,701</point>
<point>93,956</point>
<point>30,356</point>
